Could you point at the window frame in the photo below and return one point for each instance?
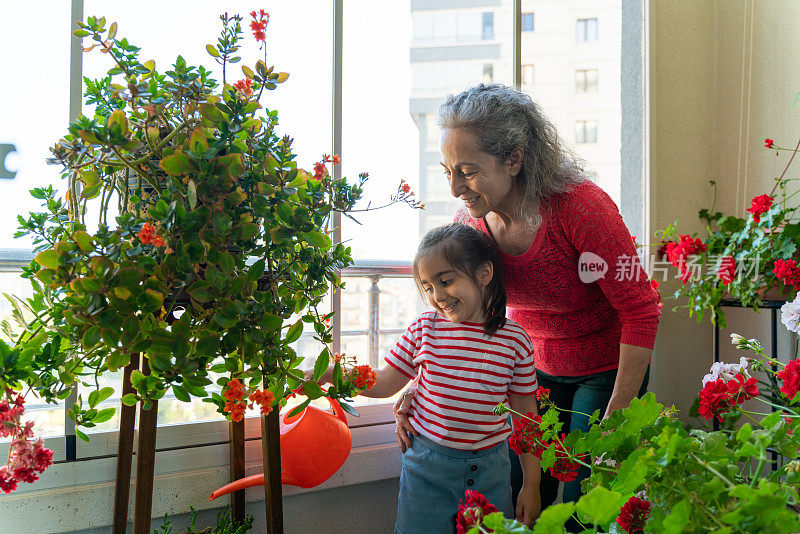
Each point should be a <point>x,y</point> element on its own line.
<point>583,126</point>
<point>584,85</point>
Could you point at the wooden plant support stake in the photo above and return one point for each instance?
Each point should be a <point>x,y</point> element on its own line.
<point>271,460</point>
<point>145,464</point>
<point>236,429</point>
<point>127,422</point>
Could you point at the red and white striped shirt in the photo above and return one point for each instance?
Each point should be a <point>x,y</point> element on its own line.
<point>464,375</point>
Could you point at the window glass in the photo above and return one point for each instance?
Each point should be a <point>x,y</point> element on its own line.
<point>303,101</point>
<point>570,60</point>
<point>488,26</point>
<point>527,22</point>
<point>34,106</point>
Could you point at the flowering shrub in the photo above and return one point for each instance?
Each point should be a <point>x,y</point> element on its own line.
<point>742,257</point>
<point>219,258</point>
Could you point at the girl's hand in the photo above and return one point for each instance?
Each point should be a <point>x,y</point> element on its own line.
<point>529,504</point>
<point>403,425</point>
<point>327,376</point>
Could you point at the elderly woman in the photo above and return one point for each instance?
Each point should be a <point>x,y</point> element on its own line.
<point>572,275</point>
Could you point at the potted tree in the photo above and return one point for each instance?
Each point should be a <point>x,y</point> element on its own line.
<point>186,233</point>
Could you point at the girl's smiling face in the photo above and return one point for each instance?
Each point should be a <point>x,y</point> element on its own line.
<point>480,180</point>
<point>452,293</point>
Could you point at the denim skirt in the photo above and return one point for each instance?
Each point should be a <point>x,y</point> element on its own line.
<point>434,478</point>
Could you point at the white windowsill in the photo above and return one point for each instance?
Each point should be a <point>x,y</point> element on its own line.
<point>80,495</point>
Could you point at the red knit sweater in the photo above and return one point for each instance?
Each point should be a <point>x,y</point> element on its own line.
<point>577,327</point>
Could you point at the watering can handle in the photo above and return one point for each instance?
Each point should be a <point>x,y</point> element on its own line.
<point>337,409</point>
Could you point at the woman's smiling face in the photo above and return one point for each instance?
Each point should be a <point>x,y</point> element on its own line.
<point>480,180</point>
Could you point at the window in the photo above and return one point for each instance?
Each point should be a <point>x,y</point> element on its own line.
<point>586,81</point>
<point>527,22</point>
<point>585,131</point>
<point>488,26</point>
<point>488,73</point>
<point>586,30</point>
<point>527,76</point>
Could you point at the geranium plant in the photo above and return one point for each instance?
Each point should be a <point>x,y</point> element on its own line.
<point>652,473</point>
<point>742,258</point>
<point>187,232</point>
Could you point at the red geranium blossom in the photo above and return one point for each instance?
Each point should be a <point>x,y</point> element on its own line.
<point>791,379</point>
<point>527,436</point>
<point>759,206</point>
<point>471,511</point>
<point>787,272</point>
<point>742,389</point>
<point>542,394</point>
<point>565,469</point>
<point>768,142</point>
<point>715,400</point>
<point>655,285</point>
<point>634,515</point>
<point>677,253</point>
<point>727,270</point>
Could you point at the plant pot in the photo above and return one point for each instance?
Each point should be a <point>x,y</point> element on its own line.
<point>781,293</point>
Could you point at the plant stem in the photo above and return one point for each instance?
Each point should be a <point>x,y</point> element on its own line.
<point>778,181</point>
<point>712,470</point>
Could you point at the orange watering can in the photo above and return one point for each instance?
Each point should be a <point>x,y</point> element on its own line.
<point>314,445</point>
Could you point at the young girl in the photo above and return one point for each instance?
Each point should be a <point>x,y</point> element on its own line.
<point>469,358</point>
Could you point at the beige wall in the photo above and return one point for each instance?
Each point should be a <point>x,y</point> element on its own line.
<point>725,76</point>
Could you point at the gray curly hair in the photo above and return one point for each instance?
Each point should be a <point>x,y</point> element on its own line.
<point>503,118</point>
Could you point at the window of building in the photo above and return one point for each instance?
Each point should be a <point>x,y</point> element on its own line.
<point>585,131</point>
<point>488,72</point>
<point>488,26</point>
<point>527,22</point>
<point>527,76</point>
<point>586,80</point>
<point>586,30</point>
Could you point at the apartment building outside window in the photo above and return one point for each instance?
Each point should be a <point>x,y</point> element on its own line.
<point>585,131</point>
<point>488,26</point>
<point>527,22</point>
<point>586,81</point>
<point>527,76</point>
<point>586,30</point>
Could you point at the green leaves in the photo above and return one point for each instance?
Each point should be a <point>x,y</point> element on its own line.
<point>176,164</point>
<point>600,506</point>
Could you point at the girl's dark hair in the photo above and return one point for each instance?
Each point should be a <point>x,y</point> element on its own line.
<point>466,250</point>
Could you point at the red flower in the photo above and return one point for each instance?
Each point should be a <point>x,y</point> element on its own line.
<point>471,511</point>
<point>146,233</point>
<point>742,389</point>
<point>263,398</point>
<point>158,241</point>
<point>244,86</point>
<point>759,206</point>
<point>787,272</point>
<point>634,515</point>
<point>233,390</point>
<point>542,394</point>
<point>319,170</point>
<point>715,400</point>
<point>7,481</point>
<point>655,285</point>
<point>365,377</point>
<point>565,469</point>
<point>788,422</point>
<point>527,436</point>
<point>791,379</point>
<point>768,143</point>
<point>677,253</point>
<point>406,188</point>
<point>259,24</point>
<point>727,270</point>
